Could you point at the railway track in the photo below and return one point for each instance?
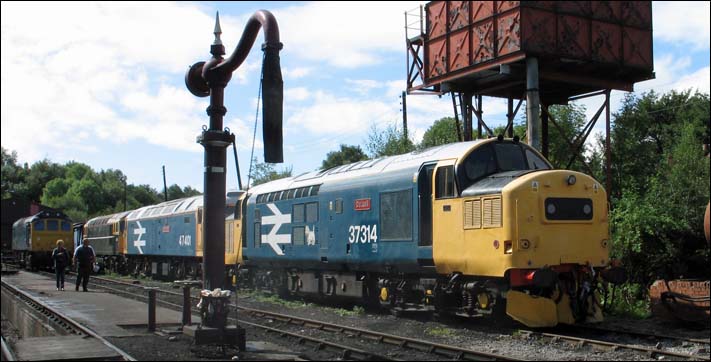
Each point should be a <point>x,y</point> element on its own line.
<point>59,320</point>
<point>459,353</point>
<point>580,341</point>
<point>444,351</point>
<point>421,348</point>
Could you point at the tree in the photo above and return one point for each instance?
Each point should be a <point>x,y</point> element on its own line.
<point>142,195</point>
<point>347,154</point>
<point>388,142</point>
<point>13,175</point>
<point>645,128</point>
<point>265,172</point>
<point>658,233</point>
<point>38,176</point>
<point>571,120</point>
<point>442,131</point>
<point>175,192</point>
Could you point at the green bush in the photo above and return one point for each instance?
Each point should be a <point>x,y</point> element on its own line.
<point>659,233</point>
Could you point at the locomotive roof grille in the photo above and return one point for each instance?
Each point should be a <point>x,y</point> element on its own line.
<point>289,194</point>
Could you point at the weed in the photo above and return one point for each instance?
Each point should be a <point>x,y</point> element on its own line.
<point>440,331</point>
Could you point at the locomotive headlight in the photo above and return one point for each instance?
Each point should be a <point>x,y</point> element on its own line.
<point>550,208</point>
<point>571,180</point>
<point>587,209</point>
<point>603,243</point>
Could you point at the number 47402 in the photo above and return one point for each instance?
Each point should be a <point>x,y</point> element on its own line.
<point>363,234</point>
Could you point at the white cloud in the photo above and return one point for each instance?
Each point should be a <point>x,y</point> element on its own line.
<point>674,72</point>
<point>329,114</point>
<point>99,70</point>
<point>296,94</point>
<point>296,73</point>
<point>682,22</point>
<point>344,34</point>
<point>363,86</point>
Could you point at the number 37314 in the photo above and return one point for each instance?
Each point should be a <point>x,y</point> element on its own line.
<point>363,234</point>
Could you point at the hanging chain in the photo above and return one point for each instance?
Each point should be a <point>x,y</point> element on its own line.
<point>256,117</point>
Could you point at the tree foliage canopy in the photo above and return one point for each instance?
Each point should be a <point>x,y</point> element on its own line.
<point>388,142</point>
<point>265,172</point>
<point>77,189</point>
<point>347,154</point>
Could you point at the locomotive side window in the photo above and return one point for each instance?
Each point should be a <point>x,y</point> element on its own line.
<point>312,212</point>
<point>396,215</point>
<point>444,180</point>
<point>298,235</point>
<point>297,214</point>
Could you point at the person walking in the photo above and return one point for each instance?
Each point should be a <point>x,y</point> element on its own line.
<point>60,257</point>
<point>84,258</point>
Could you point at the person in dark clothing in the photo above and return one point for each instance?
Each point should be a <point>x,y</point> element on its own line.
<point>60,257</point>
<point>84,257</point>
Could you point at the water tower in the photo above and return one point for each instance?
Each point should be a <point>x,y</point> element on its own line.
<point>546,52</point>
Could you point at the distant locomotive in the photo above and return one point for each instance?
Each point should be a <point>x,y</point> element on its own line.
<point>163,240</point>
<point>34,238</point>
<point>458,228</point>
<point>465,228</point>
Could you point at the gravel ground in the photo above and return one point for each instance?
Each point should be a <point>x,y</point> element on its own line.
<point>491,335</point>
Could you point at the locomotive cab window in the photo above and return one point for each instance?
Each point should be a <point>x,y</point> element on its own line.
<point>38,225</point>
<point>535,162</point>
<point>498,157</point>
<point>444,181</point>
<point>52,225</point>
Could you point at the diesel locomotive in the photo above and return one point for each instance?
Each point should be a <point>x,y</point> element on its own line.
<point>34,237</point>
<point>467,228</point>
<point>163,241</point>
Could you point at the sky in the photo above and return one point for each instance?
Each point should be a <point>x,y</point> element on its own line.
<point>103,83</point>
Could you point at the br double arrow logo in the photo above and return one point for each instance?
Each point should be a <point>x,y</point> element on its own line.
<point>272,238</point>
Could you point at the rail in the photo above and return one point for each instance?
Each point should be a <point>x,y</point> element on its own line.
<point>65,320</point>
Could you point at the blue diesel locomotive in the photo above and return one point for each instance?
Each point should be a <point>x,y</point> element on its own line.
<point>464,228</point>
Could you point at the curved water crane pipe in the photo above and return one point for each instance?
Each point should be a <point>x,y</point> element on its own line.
<point>203,77</point>
<point>210,79</point>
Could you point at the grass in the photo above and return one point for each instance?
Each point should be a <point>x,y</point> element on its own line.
<point>440,331</point>
<point>356,311</point>
<point>262,297</point>
<point>630,300</point>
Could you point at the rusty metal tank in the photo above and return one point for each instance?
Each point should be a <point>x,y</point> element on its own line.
<point>583,45</point>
